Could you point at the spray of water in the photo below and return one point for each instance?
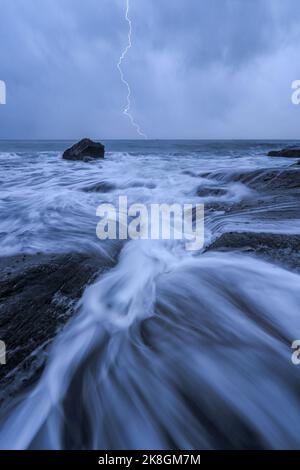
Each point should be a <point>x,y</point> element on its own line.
<point>119,65</point>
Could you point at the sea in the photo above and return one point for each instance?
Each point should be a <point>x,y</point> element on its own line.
<point>170,349</point>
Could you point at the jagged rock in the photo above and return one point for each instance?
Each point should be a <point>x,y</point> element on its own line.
<point>85,150</point>
<point>292,152</point>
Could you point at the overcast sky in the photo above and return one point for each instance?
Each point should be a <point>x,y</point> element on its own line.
<point>197,68</point>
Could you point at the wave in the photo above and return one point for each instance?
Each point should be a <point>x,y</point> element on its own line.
<point>171,352</point>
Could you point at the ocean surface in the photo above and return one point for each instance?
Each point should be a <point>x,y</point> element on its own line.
<point>170,348</point>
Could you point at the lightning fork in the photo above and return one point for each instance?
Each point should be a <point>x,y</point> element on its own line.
<point>126,110</point>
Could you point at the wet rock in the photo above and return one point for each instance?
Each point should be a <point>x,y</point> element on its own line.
<point>141,184</point>
<point>207,174</point>
<point>38,294</point>
<point>85,150</point>
<point>273,178</point>
<point>283,249</point>
<point>210,191</point>
<point>102,187</point>
<point>190,173</point>
<point>289,152</point>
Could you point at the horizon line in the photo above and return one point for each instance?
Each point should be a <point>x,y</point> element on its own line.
<point>152,140</point>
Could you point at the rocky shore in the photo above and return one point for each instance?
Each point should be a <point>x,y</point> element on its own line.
<point>38,294</point>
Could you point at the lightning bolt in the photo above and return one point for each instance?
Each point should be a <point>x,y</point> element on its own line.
<point>126,110</point>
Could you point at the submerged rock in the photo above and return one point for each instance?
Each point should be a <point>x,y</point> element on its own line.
<point>211,191</point>
<point>292,152</point>
<point>85,150</point>
<point>101,187</point>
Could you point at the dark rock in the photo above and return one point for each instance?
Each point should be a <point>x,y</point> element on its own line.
<point>283,249</point>
<point>210,191</point>
<point>102,187</point>
<point>38,294</point>
<point>292,152</point>
<point>189,173</point>
<point>269,179</point>
<point>141,184</point>
<point>207,174</point>
<point>85,150</point>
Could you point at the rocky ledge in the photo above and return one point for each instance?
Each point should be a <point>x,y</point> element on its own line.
<point>281,249</point>
<point>38,294</point>
<point>289,152</point>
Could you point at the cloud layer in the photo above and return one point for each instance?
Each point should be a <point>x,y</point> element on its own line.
<point>197,68</point>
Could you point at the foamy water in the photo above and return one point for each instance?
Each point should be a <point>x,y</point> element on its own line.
<point>169,349</point>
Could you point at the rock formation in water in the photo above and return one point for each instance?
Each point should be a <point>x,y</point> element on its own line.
<point>292,152</point>
<point>282,249</point>
<point>85,150</point>
<point>38,294</point>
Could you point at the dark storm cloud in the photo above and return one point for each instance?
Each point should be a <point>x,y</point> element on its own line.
<point>197,68</point>
<point>228,31</point>
<point>58,60</point>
